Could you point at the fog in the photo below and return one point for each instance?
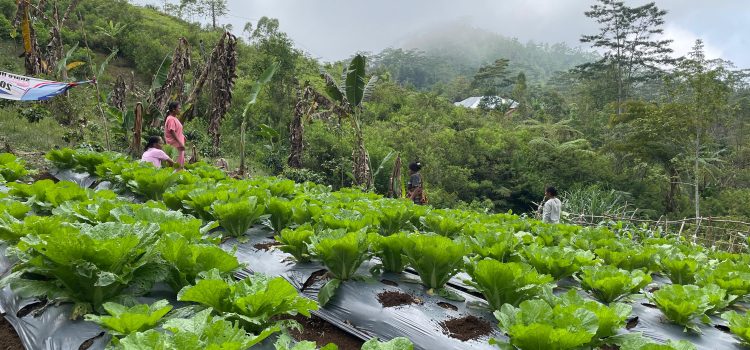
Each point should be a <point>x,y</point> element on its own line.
<point>334,29</point>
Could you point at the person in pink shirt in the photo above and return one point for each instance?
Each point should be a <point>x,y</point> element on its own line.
<point>154,154</point>
<point>173,131</point>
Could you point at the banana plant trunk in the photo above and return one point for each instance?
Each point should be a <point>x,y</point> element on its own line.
<point>361,171</point>
<point>296,131</point>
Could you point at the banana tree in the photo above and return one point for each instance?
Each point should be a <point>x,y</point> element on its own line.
<point>264,78</point>
<point>351,93</point>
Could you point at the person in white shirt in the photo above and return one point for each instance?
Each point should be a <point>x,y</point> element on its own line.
<point>552,206</point>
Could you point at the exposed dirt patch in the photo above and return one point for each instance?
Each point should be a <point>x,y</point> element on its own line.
<point>391,298</point>
<point>631,323</point>
<point>44,175</point>
<point>653,289</point>
<point>448,306</point>
<point>466,328</point>
<point>266,245</point>
<point>24,311</point>
<point>318,330</point>
<point>609,347</point>
<point>653,306</point>
<point>87,344</point>
<point>723,328</point>
<point>389,282</point>
<point>8,338</point>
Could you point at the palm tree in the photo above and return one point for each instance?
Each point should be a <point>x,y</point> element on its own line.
<point>351,93</point>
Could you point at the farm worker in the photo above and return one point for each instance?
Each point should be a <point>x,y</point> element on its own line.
<point>173,131</point>
<point>551,207</point>
<point>415,186</point>
<point>154,153</point>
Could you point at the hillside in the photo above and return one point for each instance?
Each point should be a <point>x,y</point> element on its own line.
<point>441,53</point>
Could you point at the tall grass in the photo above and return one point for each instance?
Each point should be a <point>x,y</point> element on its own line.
<point>582,202</point>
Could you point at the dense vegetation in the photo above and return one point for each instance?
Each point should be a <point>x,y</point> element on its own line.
<point>652,144</point>
<point>57,231</point>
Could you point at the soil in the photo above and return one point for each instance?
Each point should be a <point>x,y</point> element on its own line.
<point>723,328</point>
<point>466,328</point>
<point>448,306</point>
<point>389,282</point>
<point>631,323</point>
<point>653,306</point>
<point>609,347</point>
<point>266,246</point>
<point>318,330</point>
<point>390,298</point>
<point>44,175</point>
<point>8,338</point>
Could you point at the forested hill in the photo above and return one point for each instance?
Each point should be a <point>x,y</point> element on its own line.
<point>442,54</point>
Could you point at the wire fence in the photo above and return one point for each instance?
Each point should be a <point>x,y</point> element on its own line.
<point>718,233</point>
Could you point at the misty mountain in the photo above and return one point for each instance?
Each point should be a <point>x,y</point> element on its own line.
<point>443,53</point>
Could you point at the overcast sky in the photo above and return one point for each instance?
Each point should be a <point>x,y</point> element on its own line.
<point>335,29</point>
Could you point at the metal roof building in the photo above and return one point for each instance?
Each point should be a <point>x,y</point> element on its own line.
<point>473,102</point>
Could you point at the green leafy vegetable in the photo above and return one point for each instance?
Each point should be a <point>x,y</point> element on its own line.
<point>507,283</point>
<point>398,343</point>
<point>285,343</point>
<point>295,242</point>
<point>123,320</point>
<point>609,318</point>
<point>255,300</point>
<point>90,266</point>
<point>11,168</point>
<point>556,261</point>
<point>395,216</point>
<point>679,268</point>
<point>391,249</point>
<point>435,258</point>
<point>202,331</point>
<point>151,182</point>
<point>608,283</point>
<point>739,325</point>
<point>499,246</point>
<point>186,260</point>
<point>537,325</point>
<point>681,304</point>
<point>237,216</point>
<point>340,252</point>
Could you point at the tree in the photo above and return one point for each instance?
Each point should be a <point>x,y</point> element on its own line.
<point>205,8</point>
<point>704,87</point>
<point>492,77</point>
<point>351,93</point>
<point>629,36</point>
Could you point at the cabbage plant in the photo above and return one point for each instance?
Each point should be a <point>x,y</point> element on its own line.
<point>559,262</point>
<point>237,216</point>
<point>608,283</point>
<point>295,242</point>
<point>255,301</point>
<point>390,250</point>
<point>534,324</point>
<point>682,304</point>
<point>342,254</point>
<point>739,325</point>
<point>435,258</point>
<point>507,283</point>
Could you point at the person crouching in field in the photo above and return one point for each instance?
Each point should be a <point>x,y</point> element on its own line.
<point>154,153</point>
<point>173,131</point>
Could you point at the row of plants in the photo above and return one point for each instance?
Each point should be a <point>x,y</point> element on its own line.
<point>103,254</point>
<point>510,259</point>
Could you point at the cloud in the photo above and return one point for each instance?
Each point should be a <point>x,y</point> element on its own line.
<point>684,40</point>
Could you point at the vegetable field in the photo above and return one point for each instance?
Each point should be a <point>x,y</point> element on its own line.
<point>193,259</point>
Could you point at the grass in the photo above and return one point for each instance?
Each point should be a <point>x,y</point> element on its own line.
<point>27,137</point>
